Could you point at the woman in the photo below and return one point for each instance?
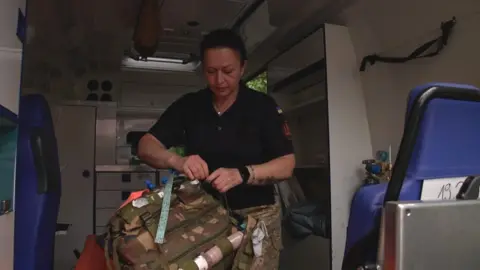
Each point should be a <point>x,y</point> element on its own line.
<point>235,138</point>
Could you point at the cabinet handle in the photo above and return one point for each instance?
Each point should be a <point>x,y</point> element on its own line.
<point>86,173</point>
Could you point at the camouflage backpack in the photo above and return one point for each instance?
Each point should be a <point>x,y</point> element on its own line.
<point>196,223</point>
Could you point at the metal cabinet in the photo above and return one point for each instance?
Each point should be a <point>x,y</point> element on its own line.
<point>75,132</point>
<point>94,185</point>
<point>114,183</point>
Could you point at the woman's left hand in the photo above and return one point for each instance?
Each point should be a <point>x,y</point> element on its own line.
<point>224,179</point>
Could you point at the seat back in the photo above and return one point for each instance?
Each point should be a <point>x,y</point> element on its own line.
<point>440,141</point>
<point>447,143</point>
<point>38,186</point>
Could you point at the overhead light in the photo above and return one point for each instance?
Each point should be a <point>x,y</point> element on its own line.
<point>164,60</point>
<point>172,55</point>
<point>159,64</point>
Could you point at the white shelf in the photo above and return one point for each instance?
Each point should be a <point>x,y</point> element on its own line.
<point>124,168</point>
<point>139,111</point>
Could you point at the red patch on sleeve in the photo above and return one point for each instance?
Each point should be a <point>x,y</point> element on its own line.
<point>286,130</point>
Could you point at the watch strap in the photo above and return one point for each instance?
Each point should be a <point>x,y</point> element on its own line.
<point>244,173</point>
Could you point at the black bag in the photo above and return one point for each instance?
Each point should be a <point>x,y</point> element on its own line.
<point>305,219</point>
<point>301,217</point>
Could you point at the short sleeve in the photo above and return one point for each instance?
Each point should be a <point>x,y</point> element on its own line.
<point>277,139</point>
<point>170,127</point>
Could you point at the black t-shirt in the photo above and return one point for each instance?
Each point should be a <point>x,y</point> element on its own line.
<point>252,131</point>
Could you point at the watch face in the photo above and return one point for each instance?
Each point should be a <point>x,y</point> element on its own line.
<point>244,173</point>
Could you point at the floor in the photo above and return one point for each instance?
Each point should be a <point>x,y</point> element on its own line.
<point>310,253</point>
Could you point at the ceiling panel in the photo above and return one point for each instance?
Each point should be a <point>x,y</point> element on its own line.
<point>78,35</point>
<point>303,54</point>
<point>257,27</point>
<point>282,11</point>
<point>210,14</point>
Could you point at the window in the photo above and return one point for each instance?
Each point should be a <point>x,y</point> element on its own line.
<point>259,83</point>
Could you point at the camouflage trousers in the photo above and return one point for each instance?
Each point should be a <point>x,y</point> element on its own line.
<point>272,243</point>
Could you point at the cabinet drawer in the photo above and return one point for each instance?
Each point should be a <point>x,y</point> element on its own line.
<point>111,199</point>
<point>123,181</point>
<point>103,216</point>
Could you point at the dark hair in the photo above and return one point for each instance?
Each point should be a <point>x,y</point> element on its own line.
<point>223,38</point>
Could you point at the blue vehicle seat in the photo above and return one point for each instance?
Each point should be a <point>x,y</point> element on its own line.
<point>37,187</point>
<point>440,140</point>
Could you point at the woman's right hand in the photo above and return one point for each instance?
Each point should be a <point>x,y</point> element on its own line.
<point>194,167</point>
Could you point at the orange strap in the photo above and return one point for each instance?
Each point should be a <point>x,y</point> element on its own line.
<point>93,256</point>
<point>133,196</point>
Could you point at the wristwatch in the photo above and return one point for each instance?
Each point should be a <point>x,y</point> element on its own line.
<point>244,173</point>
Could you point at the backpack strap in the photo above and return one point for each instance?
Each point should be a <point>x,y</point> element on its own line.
<point>244,257</point>
<point>114,232</point>
<point>106,249</point>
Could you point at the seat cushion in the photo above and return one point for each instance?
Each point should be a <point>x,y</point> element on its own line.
<point>367,204</point>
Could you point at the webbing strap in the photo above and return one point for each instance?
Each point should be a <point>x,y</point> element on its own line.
<point>441,42</point>
<point>224,245</point>
<point>225,203</point>
<point>188,265</point>
<point>244,256</point>
<point>111,241</point>
<point>106,248</point>
<point>115,258</point>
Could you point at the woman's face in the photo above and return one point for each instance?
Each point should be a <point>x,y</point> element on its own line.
<point>223,69</point>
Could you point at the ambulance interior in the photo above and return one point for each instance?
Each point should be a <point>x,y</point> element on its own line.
<point>103,99</point>
<point>79,56</point>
